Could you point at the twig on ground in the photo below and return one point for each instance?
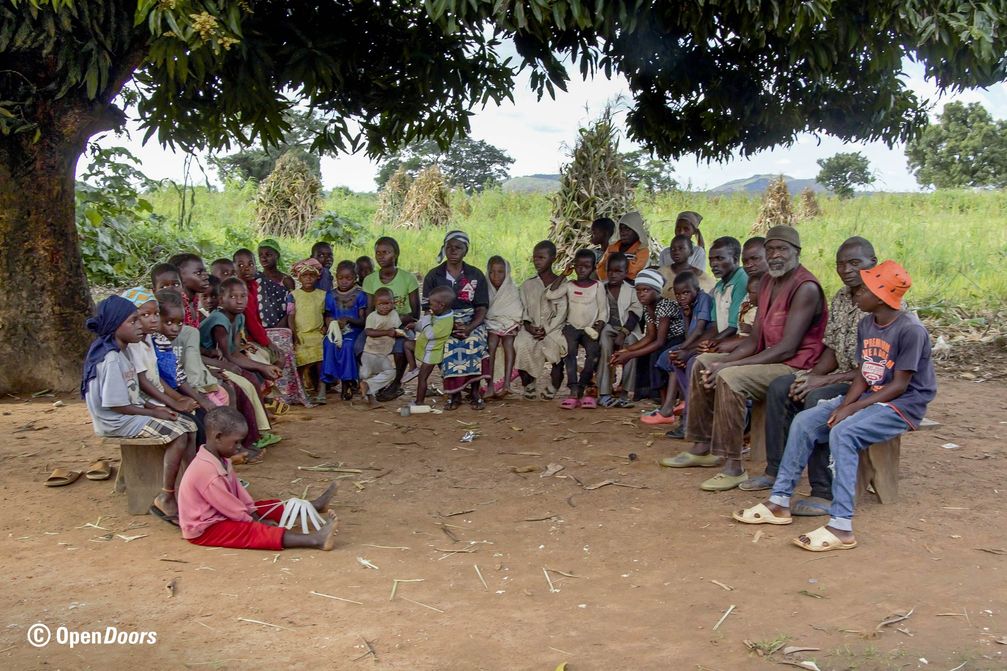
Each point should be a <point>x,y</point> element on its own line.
<point>370,650</point>
<point>723,617</point>
<point>436,610</point>
<point>337,598</point>
<point>385,547</point>
<point>720,584</point>
<point>481,579</point>
<point>898,617</point>
<point>552,588</point>
<point>265,624</point>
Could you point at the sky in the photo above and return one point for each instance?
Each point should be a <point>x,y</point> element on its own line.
<point>538,134</point>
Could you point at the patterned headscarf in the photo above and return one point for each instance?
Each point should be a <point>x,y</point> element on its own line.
<point>138,296</point>
<point>310,265</point>
<point>452,235</point>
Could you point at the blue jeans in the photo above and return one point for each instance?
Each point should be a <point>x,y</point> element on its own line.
<point>874,424</point>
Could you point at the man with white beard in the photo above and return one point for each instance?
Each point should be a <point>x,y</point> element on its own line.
<point>787,337</point>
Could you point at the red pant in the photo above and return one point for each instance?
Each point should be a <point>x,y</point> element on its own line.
<point>247,535</point>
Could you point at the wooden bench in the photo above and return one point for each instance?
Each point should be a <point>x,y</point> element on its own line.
<point>141,471</point>
<point>877,471</point>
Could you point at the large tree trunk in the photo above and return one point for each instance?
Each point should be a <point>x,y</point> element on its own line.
<point>44,297</point>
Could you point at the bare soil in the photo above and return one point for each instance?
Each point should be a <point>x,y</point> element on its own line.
<point>645,555</point>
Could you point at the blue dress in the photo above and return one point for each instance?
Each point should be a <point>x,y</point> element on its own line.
<point>339,363</point>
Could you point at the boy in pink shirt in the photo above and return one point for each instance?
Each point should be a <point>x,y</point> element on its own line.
<point>215,510</point>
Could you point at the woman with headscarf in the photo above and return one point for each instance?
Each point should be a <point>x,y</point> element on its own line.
<point>466,362</point>
<point>634,242</point>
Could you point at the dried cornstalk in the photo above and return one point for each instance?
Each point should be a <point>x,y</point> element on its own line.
<point>776,209</point>
<point>392,198</point>
<point>427,202</point>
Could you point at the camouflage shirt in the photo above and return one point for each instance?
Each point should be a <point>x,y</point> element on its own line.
<point>841,331</point>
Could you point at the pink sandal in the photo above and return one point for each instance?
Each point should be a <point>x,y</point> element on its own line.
<point>589,403</point>
<point>570,403</point>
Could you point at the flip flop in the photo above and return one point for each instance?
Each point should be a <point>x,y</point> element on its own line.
<point>99,470</point>
<point>760,514</point>
<point>822,540</point>
<point>813,506</point>
<point>607,401</point>
<point>267,439</point>
<point>163,516</point>
<point>278,407</point>
<point>530,394</point>
<point>549,393</point>
<point>61,477</point>
<point>690,460</point>
<point>570,404</point>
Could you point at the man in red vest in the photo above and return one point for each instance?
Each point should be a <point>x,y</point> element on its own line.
<point>787,337</point>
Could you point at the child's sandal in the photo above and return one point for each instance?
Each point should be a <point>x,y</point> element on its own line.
<point>570,403</point>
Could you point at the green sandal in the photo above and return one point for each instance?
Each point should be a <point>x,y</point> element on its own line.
<point>690,460</point>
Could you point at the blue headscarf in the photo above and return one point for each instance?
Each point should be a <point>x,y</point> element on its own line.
<point>109,316</point>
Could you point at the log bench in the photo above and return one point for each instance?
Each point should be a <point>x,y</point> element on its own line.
<point>877,471</point>
<point>141,471</point>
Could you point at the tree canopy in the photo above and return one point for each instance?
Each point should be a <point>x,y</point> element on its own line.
<point>468,164</point>
<point>965,148</point>
<point>844,171</point>
<point>647,173</point>
<point>710,79</point>
<point>258,162</point>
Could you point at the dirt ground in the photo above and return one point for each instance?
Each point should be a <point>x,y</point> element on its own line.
<point>657,562</point>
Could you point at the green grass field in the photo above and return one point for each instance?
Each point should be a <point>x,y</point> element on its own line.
<point>953,243</point>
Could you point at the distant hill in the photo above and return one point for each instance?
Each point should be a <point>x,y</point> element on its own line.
<point>759,183</point>
<point>532,184</point>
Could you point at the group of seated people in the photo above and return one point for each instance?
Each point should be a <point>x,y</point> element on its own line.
<point>204,360</point>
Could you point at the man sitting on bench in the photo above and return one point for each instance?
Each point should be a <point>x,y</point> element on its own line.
<point>890,396</point>
<point>832,375</point>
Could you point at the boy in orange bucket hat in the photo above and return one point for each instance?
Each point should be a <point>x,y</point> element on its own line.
<point>889,397</point>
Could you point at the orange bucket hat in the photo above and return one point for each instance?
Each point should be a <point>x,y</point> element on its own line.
<point>888,281</point>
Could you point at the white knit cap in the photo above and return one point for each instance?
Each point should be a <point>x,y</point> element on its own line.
<point>649,277</point>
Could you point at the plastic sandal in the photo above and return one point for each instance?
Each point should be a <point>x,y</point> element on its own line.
<point>624,403</point>
<point>760,514</point>
<point>607,401</point>
<point>570,404</point>
<point>589,403</point>
<point>822,540</point>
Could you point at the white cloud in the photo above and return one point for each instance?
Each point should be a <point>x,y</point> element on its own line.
<point>538,133</point>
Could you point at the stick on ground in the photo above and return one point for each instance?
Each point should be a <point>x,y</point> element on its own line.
<point>723,617</point>
<point>481,579</point>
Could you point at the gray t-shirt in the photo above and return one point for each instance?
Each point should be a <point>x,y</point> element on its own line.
<point>902,345</point>
<point>114,386</point>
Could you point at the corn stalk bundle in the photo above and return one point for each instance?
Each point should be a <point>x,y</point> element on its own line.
<point>809,207</point>
<point>392,198</point>
<point>288,200</point>
<point>592,185</point>
<point>427,201</point>
<point>776,208</point>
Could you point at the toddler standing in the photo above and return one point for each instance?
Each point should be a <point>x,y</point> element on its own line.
<point>432,333</point>
<point>345,310</point>
<point>381,327</point>
<point>503,320</point>
<point>306,313</point>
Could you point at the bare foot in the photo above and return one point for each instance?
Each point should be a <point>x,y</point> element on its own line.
<point>372,403</point>
<point>327,534</point>
<point>321,504</point>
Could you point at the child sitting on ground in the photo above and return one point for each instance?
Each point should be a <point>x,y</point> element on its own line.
<point>306,314</point>
<point>888,398</point>
<point>216,511</point>
<point>503,320</point>
<point>111,389</point>
<point>697,309</point>
<point>345,312</point>
<point>587,312</point>
<point>432,332</point>
<point>624,312</point>
<point>381,327</point>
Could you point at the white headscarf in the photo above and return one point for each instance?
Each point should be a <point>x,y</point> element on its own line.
<point>505,310</point>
